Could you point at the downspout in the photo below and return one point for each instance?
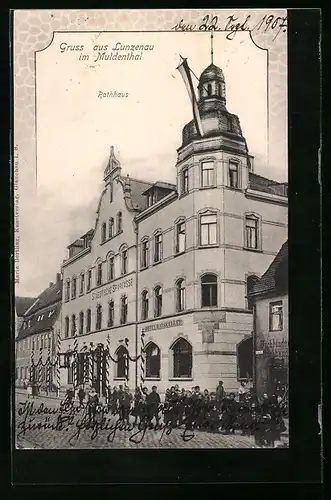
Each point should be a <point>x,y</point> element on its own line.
<point>254,350</point>
<point>136,302</point>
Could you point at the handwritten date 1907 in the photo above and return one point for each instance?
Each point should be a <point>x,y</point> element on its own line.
<point>233,25</point>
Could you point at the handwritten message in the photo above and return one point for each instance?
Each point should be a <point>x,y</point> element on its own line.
<point>74,421</point>
<point>98,53</point>
<point>233,24</point>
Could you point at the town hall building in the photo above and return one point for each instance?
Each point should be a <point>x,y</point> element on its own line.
<point>167,268</point>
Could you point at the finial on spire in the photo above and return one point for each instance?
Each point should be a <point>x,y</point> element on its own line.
<point>212,47</point>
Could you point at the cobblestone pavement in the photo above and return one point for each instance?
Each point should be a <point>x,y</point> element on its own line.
<point>69,437</point>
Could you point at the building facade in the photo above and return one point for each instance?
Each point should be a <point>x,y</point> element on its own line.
<point>270,298</point>
<point>167,268</point>
<point>36,342</point>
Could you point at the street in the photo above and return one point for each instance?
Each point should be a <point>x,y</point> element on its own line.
<point>40,425</point>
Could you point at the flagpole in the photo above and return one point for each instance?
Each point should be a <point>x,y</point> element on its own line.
<point>212,47</point>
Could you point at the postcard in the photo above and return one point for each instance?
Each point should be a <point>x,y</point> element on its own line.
<point>151,256</point>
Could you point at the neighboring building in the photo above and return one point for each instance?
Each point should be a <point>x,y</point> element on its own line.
<point>40,327</point>
<point>176,261</point>
<point>22,304</point>
<point>270,298</point>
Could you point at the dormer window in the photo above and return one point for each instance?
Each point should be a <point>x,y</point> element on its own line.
<point>151,198</point>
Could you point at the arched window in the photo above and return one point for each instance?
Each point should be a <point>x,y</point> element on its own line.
<point>209,89</point>
<point>89,280</point>
<point>153,360</point>
<point>180,236</point>
<point>111,268</point>
<point>124,310</point>
<point>209,290</point>
<point>124,261</point>
<point>111,313</point>
<point>99,274</point>
<point>185,180</point>
<point>98,323</point>
<point>73,325</point>
<point>157,301</point>
<point>88,320</point>
<point>144,305</point>
<point>182,359</point>
<point>250,283</point>
<point>180,295</point>
<point>67,294</point>
<point>81,323</point>
<point>158,247</point>
<point>82,284</point>
<point>144,253</point>
<point>111,192</point>
<point>245,358</point>
<point>74,287</point>
<point>252,237</point>
<point>121,361</point>
<point>119,222</point>
<point>103,232</point>
<point>111,227</point>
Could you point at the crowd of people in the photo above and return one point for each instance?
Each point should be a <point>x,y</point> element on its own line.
<point>194,409</point>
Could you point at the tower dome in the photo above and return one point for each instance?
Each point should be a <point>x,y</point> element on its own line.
<point>212,72</point>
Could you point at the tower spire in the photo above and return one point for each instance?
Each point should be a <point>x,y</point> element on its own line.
<point>212,47</point>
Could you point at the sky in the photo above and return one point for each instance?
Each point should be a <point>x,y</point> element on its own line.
<point>75,128</point>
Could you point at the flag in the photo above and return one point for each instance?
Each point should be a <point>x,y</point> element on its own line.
<point>184,70</point>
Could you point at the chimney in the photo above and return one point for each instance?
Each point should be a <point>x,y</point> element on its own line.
<point>58,277</point>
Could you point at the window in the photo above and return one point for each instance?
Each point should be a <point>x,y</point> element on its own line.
<point>88,321</point>
<point>81,323</point>
<point>124,262</point>
<point>180,237</point>
<point>245,359</point>
<point>124,310</point>
<point>73,325</point>
<point>180,295</point>
<point>182,359</point>
<point>82,284</point>
<point>144,305</point>
<point>66,327</point>
<point>207,174</point>
<point>111,268</point>
<point>41,343</point>
<point>70,373</point>
<point>233,174</point>
<point>276,316</point>
<point>209,290</point>
<point>157,247</point>
<point>103,232</point>
<point>185,184</point>
<point>111,313</point>
<point>251,232</point>
<point>99,274</point>
<point>208,229</point>
<point>98,323</point>
<point>89,280</point>
<point>119,222</point>
<point>250,283</point>
<point>218,89</point>
<point>152,356</point>
<point>67,294</point>
<point>144,253</point>
<point>74,287</point>
<point>150,198</point>
<point>121,362</point>
<point>111,192</point>
<point>111,227</point>
<point>158,301</point>
<point>209,89</point>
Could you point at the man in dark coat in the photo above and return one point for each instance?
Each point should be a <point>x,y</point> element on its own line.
<point>92,403</point>
<point>153,402</point>
<point>219,394</point>
<point>230,412</point>
<point>126,400</point>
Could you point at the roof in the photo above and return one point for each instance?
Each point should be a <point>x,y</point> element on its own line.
<point>137,189</point>
<point>39,321</point>
<point>50,296</point>
<point>162,185</point>
<point>259,183</point>
<point>22,304</point>
<point>275,277</point>
<point>210,73</point>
